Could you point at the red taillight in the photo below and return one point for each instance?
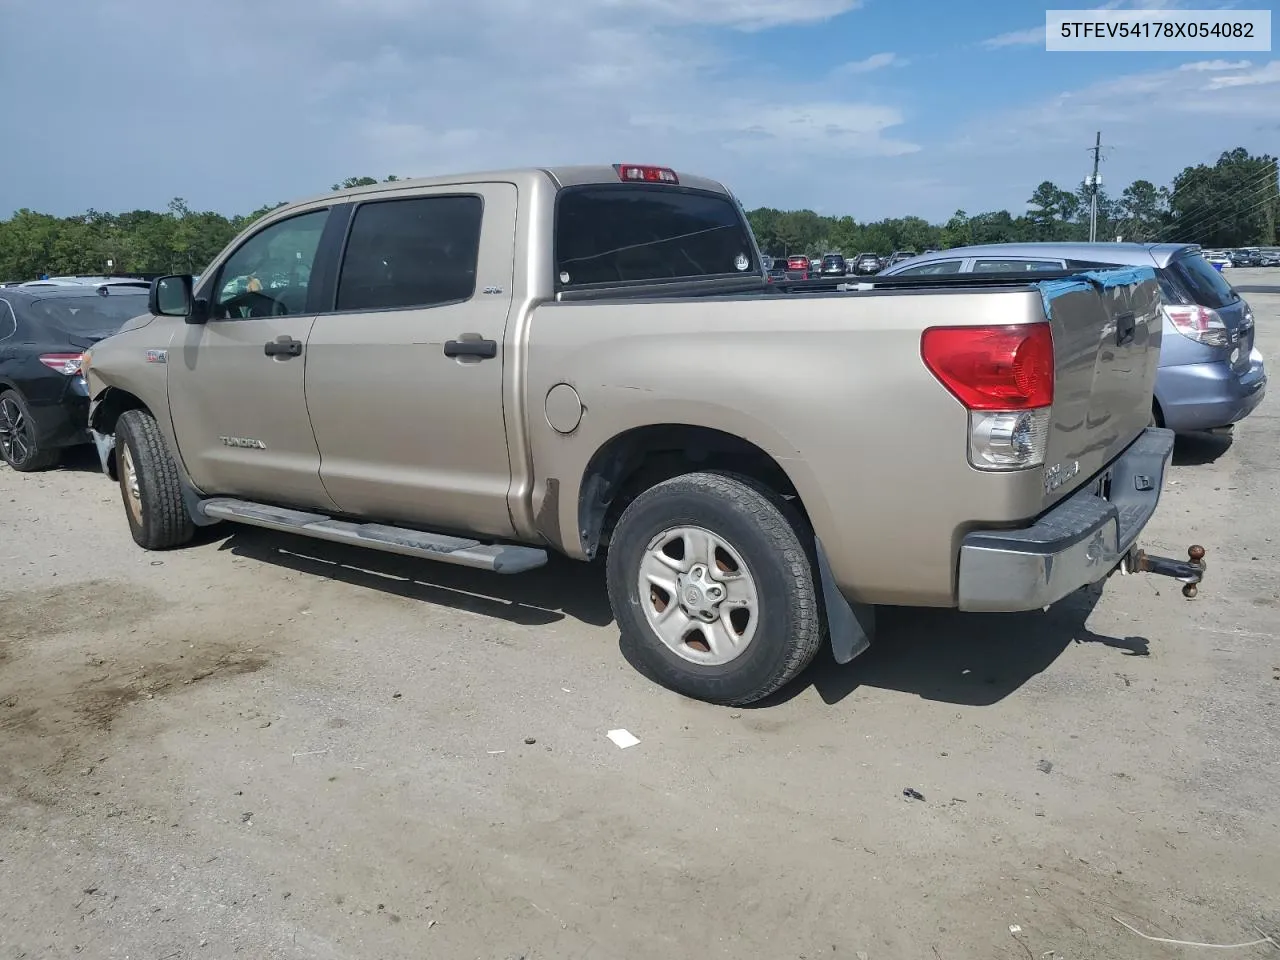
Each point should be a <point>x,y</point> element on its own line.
<point>67,363</point>
<point>993,368</point>
<point>643,173</point>
<point>1201,324</point>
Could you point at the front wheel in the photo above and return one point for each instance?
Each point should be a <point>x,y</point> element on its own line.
<point>713,588</point>
<point>150,485</point>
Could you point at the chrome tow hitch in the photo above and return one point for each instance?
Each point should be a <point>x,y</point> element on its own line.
<point>1190,571</point>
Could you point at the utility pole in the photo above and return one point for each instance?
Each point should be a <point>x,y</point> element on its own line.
<point>1093,189</point>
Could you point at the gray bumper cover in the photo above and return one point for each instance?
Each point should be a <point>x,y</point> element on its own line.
<point>1079,542</point>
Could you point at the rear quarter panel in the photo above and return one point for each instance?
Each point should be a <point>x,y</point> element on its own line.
<point>831,386</point>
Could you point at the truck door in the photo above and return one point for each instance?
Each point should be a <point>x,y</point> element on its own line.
<point>235,383</point>
<point>404,377</point>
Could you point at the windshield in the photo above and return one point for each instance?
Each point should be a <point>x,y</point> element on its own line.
<point>91,313</point>
<point>1203,284</point>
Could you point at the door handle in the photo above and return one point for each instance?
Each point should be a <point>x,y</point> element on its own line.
<point>284,346</point>
<point>484,349</point>
<point>1126,327</point>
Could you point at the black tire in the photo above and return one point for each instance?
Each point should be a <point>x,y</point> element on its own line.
<point>19,446</point>
<point>754,522</point>
<point>158,518</point>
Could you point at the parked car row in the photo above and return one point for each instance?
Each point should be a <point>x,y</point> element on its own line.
<point>836,264</point>
<point>1244,257</point>
<point>1210,376</point>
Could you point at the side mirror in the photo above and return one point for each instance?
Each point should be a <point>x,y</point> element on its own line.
<point>172,297</point>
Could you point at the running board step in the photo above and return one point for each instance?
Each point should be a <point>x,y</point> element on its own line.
<point>464,552</point>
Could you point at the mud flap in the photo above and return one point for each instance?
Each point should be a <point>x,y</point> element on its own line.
<point>851,626</point>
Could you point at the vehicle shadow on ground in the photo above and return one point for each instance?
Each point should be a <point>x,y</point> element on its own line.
<point>942,655</point>
<point>563,588</point>
<point>1199,449</point>
<point>79,459</point>
<point>963,658</point>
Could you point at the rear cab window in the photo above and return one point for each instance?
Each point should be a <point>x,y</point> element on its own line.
<point>624,233</point>
<point>1198,282</point>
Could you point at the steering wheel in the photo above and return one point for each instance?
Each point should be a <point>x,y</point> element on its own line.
<point>258,304</point>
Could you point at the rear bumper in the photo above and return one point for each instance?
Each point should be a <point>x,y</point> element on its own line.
<point>64,422</point>
<point>1202,396</point>
<point>1079,542</point>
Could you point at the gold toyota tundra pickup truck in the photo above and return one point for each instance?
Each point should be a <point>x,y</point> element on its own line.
<point>481,369</point>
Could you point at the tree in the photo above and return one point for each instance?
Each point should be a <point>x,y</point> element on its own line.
<point>1050,213</point>
<point>1232,203</point>
<point>1236,202</point>
<point>350,182</point>
<point>1142,210</point>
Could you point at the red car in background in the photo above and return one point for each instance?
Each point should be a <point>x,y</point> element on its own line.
<point>788,268</point>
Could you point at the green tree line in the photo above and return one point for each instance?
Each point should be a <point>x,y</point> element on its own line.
<point>1234,202</point>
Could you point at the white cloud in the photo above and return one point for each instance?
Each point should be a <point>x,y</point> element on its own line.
<point>1035,35</point>
<point>1201,66</point>
<point>739,14</point>
<point>1153,124</point>
<point>1267,74</point>
<point>306,92</point>
<point>301,93</point>
<point>877,61</point>
<point>1016,38</point>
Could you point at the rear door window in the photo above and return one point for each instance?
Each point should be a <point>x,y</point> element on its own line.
<point>1200,282</point>
<point>627,232</point>
<point>417,252</point>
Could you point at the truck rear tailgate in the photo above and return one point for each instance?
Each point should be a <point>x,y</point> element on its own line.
<point>1106,341</point>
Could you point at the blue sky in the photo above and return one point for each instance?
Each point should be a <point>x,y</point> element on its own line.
<point>867,107</point>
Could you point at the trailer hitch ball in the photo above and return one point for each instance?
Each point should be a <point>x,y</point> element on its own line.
<point>1195,553</point>
<point>1189,571</point>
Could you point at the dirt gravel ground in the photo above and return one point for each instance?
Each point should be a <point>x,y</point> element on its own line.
<point>268,747</point>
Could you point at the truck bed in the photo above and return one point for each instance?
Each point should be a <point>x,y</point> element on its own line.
<point>831,385</point>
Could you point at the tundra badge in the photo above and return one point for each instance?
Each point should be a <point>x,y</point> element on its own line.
<point>1058,474</point>
<point>243,442</point>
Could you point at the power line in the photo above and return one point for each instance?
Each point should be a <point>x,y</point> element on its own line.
<point>1260,180</point>
<point>1211,223</point>
<point>1237,214</point>
<point>1268,166</point>
<point>1212,213</point>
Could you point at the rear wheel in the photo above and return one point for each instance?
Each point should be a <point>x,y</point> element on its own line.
<point>149,484</point>
<point>713,588</point>
<point>19,446</point>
